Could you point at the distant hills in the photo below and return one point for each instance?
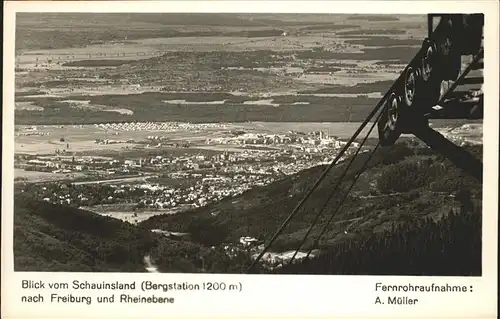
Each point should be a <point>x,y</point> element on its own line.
<point>82,19</point>
<point>64,30</point>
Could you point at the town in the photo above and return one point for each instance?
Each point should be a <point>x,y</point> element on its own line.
<point>168,177</point>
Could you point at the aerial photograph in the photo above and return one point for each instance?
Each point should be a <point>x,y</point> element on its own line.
<point>324,144</point>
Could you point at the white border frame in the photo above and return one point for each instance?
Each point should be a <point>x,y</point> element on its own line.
<point>274,296</point>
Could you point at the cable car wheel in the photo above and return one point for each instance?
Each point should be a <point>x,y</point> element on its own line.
<point>449,53</point>
<point>388,125</point>
<point>428,60</point>
<point>431,73</point>
<point>410,85</point>
<point>445,46</point>
<point>393,111</point>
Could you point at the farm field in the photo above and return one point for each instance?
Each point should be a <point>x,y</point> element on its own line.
<point>286,68</point>
<point>82,139</point>
<point>34,176</point>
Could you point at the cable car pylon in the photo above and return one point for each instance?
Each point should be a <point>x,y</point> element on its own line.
<point>419,95</point>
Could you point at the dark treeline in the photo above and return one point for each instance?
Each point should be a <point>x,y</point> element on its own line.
<point>449,247</point>
<point>58,112</point>
<point>173,256</point>
<point>49,237</point>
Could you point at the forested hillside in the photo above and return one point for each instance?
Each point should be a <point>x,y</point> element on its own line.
<point>411,207</point>
<point>411,213</point>
<point>401,182</point>
<point>449,247</point>
<point>49,237</point>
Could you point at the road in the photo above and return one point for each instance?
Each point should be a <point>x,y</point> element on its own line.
<point>116,180</point>
<point>148,264</point>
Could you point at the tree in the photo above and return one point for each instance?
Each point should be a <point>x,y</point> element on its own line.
<point>140,205</point>
<point>464,197</point>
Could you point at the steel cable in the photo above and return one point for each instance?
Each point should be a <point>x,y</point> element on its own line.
<point>337,185</point>
<point>316,184</point>
<point>343,199</point>
<point>325,172</point>
<point>418,55</point>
